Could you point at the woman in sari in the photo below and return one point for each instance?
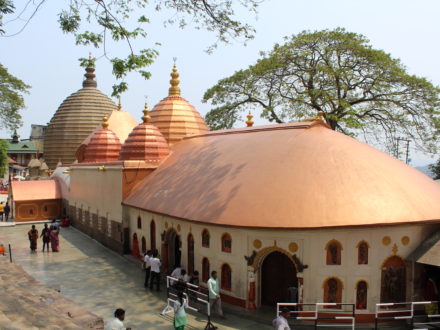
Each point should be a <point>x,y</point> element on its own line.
<point>54,239</point>
<point>33,238</point>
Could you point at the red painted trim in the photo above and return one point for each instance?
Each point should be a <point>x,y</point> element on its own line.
<point>233,300</point>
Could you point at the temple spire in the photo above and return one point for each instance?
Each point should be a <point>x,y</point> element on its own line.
<point>90,76</point>
<point>146,117</point>
<point>250,122</point>
<point>174,89</point>
<point>105,122</point>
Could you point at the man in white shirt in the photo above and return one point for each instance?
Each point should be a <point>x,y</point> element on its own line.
<point>147,267</point>
<point>116,323</point>
<point>176,273</point>
<point>280,323</point>
<point>214,294</point>
<point>155,270</point>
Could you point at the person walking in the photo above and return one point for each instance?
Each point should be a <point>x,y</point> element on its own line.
<point>214,294</point>
<point>7,210</point>
<point>147,266</point>
<point>117,323</point>
<point>45,234</point>
<point>33,238</point>
<point>180,319</point>
<point>280,323</point>
<point>155,271</point>
<point>2,210</point>
<point>54,239</point>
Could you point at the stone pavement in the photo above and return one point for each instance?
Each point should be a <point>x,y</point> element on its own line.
<point>28,304</point>
<point>101,281</point>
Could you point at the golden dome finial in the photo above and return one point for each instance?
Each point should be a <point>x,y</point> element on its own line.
<point>320,116</point>
<point>174,89</point>
<point>250,122</point>
<point>146,117</point>
<point>105,122</point>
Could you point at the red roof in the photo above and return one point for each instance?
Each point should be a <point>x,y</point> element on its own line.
<point>35,190</point>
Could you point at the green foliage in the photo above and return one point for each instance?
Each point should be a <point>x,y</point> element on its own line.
<point>3,157</point>
<point>113,16</point>
<point>361,90</point>
<point>435,169</point>
<point>11,99</point>
<point>6,7</point>
<point>111,21</point>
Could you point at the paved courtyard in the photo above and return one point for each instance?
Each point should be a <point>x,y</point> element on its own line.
<point>101,280</point>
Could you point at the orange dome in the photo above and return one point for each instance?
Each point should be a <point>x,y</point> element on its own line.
<point>176,117</point>
<point>295,175</point>
<point>104,145</point>
<point>145,143</point>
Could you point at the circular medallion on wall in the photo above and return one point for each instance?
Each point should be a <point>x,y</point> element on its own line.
<point>293,247</point>
<point>178,228</point>
<point>405,240</point>
<point>166,225</point>
<point>257,244</point>
<point>386,240</point>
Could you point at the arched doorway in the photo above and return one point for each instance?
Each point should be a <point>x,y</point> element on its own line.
<point>144,245</point>
<point>152,235</point>
<point>172,245</point>
<point>393,282</point>
<point>190,254</point>
<point>135,246</point>
<point>278,274</point>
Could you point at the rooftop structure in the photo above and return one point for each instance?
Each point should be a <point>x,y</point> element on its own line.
<point>77,117</point>
<point>175,116</point>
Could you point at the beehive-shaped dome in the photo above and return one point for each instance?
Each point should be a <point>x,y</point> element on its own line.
<point>176,117</point>
<point>75,119</point>
<point>145,143</point>
<point>104,145</point>
<point>120,122</point>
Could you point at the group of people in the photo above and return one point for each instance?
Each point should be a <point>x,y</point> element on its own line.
<point>48,235</point>
<point>5,209</point>
<point>181,303</point>
<point>152,269</point>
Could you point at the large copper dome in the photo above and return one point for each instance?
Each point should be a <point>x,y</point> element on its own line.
<point>175,116</point>
<point>145,143</point>
<point>295,175</point>
<point>75,119</point>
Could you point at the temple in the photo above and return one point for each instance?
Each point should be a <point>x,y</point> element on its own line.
<point>271,208</point>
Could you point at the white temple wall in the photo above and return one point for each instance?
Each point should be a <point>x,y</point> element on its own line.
<point>97,191</point>
<point>309,246</point>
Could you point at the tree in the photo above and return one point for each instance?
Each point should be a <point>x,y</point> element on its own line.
<point>11,99</point>
<point>360,90</point>
<point>3,157</point>
<point>99,23</point>
<point>435,169</point>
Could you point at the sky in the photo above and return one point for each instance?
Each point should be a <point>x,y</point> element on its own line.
<point>45,58</point>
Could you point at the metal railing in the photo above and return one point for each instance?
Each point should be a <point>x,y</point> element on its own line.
<point>407,311</point>
<point>192,293</point>
<point>320,317</point>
